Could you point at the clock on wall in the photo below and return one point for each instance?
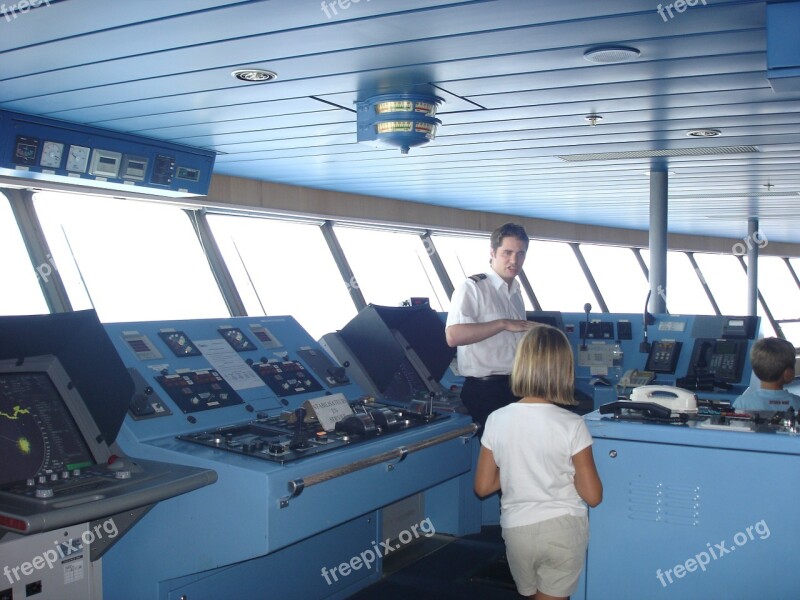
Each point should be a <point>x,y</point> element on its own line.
<point>52,152</point>
<point>77,159</point>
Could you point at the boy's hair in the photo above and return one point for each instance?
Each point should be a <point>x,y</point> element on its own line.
<point>770,357</point>
<point>509,229</point>
<point>543,366</point>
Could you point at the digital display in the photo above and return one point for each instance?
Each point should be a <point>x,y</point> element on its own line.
<point>725,347</point>
<point>188,174</point>
<point>133,167</point>
<point>105,163</point>
<point>37,432</point>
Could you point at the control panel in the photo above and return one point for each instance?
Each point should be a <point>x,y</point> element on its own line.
<point>290,435</point>
<point>38,148</point>
<point>300,447</point>
<point>616,352</point>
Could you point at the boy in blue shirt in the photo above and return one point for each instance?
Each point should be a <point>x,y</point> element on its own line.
<point>773,362</point>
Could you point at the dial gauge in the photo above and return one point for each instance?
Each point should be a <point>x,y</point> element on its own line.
<point>77,159</point>
<point>51,154</point>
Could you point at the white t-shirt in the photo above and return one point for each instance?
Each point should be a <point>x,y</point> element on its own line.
<point>479,302</point>
<point>533,444</point>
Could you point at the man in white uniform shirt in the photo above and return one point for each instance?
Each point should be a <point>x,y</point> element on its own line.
<point>486,321</point>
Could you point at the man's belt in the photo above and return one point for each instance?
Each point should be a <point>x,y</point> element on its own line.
<point>489,378</point>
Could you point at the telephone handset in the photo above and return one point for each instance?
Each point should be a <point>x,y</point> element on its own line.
<point>633,378</point>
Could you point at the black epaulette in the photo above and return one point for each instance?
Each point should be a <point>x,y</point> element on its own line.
<point>477,278</point>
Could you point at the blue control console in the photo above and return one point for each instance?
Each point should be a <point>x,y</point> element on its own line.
<point>306,462</point>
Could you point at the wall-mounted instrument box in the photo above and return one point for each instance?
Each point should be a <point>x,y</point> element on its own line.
<point>38,148</point>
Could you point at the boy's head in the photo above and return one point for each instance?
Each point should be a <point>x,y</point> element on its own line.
<point>543,366</point>
<point>771,358</point>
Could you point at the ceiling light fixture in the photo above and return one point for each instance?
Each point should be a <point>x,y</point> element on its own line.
<point>254,75</point>
<point>703,133</point>
<point>400,120</point>
<point>593,119</point>
<point>611,54</point>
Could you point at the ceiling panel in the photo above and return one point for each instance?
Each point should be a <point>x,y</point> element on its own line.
<point>516,86</point>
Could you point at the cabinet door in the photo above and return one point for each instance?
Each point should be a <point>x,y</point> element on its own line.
<point>688,522</point>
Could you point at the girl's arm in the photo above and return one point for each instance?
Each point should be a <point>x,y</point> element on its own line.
<point>587,481</point>
<point>487,475</point>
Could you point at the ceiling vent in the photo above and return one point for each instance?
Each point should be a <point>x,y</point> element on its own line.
<point>658,153</point>
<point>400,120</point>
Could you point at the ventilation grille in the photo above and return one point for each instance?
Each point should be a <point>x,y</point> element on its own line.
<point>658,153</point>
<point>667,503</point>
<point>735,195</point>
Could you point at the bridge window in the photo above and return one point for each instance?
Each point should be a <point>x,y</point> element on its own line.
<point>16,270</point>
<point>130,260</point>
<point>557,278</point>
<point>727,280</point>
<point>284,268</point>
<point>390,266</point>
<point>618,276</point>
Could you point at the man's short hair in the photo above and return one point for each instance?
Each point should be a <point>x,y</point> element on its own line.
<point>509,229</point>
<point>770,357</point>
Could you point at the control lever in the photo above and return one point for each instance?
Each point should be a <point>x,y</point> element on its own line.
<point>299,439</point>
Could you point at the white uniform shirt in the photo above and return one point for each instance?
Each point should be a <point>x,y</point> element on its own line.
<point>481,301</point>
<point>533,445</point>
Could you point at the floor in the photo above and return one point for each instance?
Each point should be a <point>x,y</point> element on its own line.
<point>441,567</point>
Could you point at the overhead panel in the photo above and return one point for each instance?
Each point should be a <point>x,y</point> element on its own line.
<point>40,149</point>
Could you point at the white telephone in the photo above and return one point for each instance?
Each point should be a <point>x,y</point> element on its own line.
<point>676,399</point>
<point>633,378</point>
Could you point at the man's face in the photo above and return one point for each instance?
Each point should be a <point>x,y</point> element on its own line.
<point>507,259</point>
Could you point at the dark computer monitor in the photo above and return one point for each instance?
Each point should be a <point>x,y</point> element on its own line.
<point>45,428</point>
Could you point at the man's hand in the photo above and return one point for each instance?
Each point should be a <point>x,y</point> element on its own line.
<point>472,333</point>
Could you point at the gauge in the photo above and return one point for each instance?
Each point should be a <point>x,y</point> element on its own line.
<point>77,159</point>
<point>51,154</point>
<point>25,150</point>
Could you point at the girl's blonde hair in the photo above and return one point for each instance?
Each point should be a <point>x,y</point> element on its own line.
<point>543,366</point>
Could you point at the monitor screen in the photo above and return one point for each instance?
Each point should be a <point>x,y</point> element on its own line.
<point>38,434</point>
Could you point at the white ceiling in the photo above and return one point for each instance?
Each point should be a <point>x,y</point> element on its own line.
<point>512,73</point>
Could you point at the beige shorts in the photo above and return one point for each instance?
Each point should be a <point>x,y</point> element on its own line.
<point>548,555</point>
